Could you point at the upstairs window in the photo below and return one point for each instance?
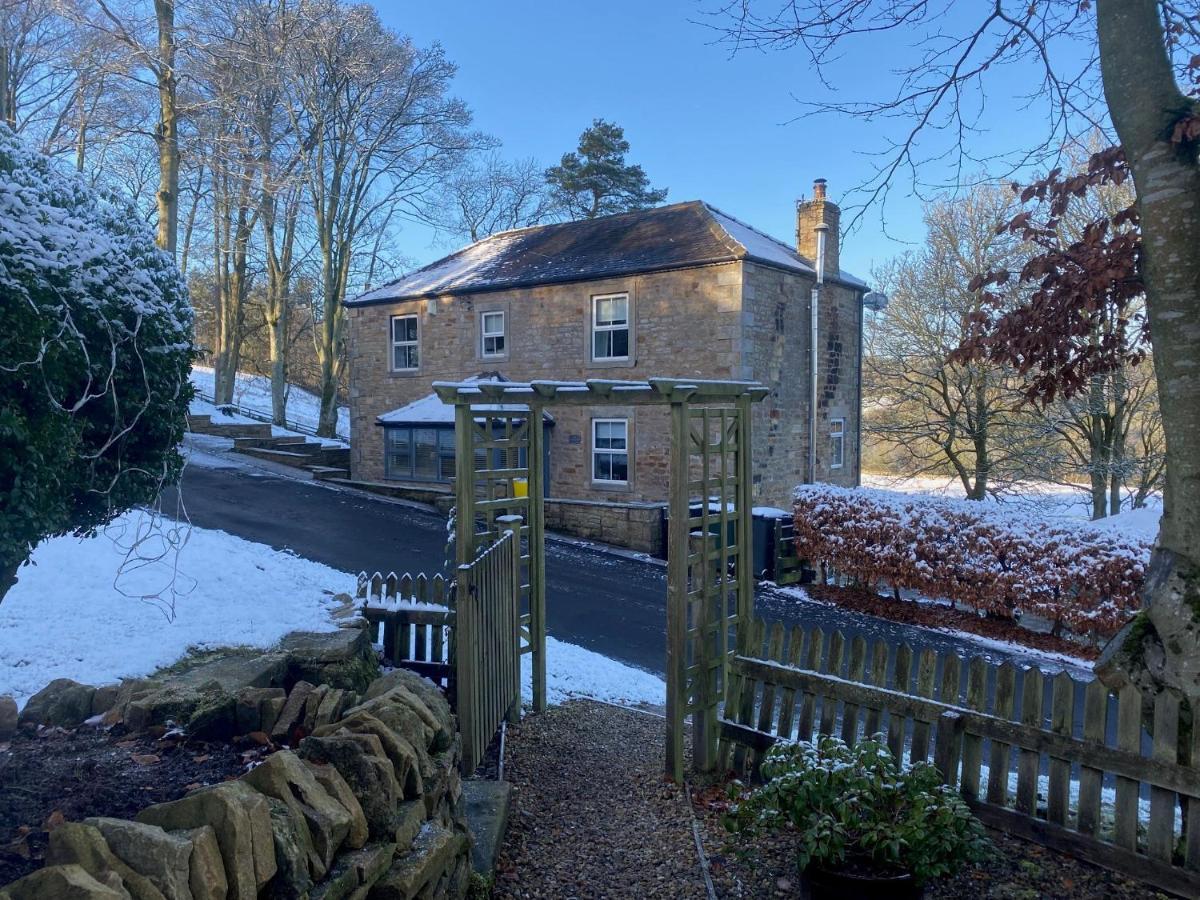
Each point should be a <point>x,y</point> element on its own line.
<point>491,330</point>
<point>837,443</point>
<point>404,343</point>
<point>610,327</point>
<point>610,450</point>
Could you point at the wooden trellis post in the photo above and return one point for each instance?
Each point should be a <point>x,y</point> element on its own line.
<point>710,586</point>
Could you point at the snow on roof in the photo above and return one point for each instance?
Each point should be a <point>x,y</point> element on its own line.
<point>472,263</point>
<point>430,410</point>
<point>679,235</point>
<point>762,247</point>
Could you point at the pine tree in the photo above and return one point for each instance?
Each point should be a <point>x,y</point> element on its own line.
<point>594,180</point>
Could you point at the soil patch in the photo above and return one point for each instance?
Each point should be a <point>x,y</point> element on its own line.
<point>54,776</point>
<point>592,814</point>
<point>1015,870</point>
<point>941,615</point>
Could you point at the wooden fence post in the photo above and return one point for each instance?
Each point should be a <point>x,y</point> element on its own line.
<point>703,584</point>
<point>948,746</point>
<point>677,590</point>
<point>511,526</point>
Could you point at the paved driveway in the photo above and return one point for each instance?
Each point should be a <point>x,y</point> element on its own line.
<point>606,602</point>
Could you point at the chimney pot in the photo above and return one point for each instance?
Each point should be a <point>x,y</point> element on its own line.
<point>819,189</point>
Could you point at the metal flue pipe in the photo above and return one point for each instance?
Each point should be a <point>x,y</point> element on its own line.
<point>814,330</point>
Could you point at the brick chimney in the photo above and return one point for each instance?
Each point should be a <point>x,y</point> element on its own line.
<point>810,214</point>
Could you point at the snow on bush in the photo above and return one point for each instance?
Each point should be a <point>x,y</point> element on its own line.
<point>95,344</point>
<point>997,561</point>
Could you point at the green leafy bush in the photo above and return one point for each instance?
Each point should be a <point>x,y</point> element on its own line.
<point>853,808</point>
<point>95,350</point>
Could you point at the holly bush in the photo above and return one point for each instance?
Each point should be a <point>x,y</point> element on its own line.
<point>855,808</point>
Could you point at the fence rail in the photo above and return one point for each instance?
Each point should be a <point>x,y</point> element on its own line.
<point>259,416</point>
<point>1059,761</point>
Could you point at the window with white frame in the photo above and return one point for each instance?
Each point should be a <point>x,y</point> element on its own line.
<point>491,331</point>
<point>610,327</point>
<point>837,443</point>
<point>610,450</point>
<point>404,343</point>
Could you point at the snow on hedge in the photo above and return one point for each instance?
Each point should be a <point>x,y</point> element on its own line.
<point>997,560</point>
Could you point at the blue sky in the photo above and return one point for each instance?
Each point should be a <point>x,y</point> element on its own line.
<point>702,123</point>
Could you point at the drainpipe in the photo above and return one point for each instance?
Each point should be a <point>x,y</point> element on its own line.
<point>814,317</point>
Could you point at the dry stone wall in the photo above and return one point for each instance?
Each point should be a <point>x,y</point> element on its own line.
<point>367,804</point>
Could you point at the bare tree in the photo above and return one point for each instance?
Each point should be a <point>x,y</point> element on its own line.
<point>1106,441</point>
<point>493,194</point>
<point>152,39</point>
<point>378,128</point>
<point>1128,61</point>
<point>938,415</point>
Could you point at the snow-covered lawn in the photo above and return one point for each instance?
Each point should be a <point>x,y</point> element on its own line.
<point>90,611</point>
<point>93,611</point>
<point>573,672</point>
<point>1038,498</point>
<point>254,393</point>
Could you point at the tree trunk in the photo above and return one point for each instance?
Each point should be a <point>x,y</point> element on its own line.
<point>167,135</point>
<point>8,577</point>
<point>1160,649</point>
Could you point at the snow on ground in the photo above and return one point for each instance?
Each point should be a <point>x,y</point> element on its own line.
<point>219,417</point>
<point>1039,498</point>
<point>573,672</point>
<point>92,610</point>
<point>254,393</point>
<point>89,611</point>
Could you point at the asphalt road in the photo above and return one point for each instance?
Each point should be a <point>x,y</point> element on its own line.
<point>606,602</point>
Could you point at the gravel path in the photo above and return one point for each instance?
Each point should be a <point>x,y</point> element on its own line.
<point>592,814</point>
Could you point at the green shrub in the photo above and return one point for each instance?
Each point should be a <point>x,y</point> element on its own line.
<point>854,808</point>
<point>95,349</point>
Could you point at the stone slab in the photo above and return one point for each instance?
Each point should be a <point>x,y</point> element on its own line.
<point>487,804</point>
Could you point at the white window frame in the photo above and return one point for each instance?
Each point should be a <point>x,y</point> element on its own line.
<point>596,328</point>
<point>393,344</point>
<point>611,452</point>
<point>484,334</point>
<point>837,439</point>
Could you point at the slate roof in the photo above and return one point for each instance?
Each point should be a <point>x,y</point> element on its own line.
<point>678,236</point>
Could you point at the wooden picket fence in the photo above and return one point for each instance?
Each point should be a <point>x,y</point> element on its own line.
<point>404,617</point>
<point>465,637</point>
<point>1107,779</point>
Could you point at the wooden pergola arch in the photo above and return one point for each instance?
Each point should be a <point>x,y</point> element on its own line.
<point>499,448</point>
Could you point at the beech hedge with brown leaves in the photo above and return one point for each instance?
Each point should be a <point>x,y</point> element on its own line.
<point>997,560</point>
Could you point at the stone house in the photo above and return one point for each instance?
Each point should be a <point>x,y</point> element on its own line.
<point>684,290</point>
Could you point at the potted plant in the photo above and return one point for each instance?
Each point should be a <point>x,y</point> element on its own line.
<point>864,827</point>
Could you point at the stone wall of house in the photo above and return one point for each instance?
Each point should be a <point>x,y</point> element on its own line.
<point>777,329</point>
<point>637,526</point>
<point>685,324</point>
<point>737,320</point>
<point>366,802</point>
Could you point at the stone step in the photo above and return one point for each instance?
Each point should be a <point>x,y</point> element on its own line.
<point>286,457</point>
<point>486,805</point>
<point>328,473</point>
<point>205,425</point>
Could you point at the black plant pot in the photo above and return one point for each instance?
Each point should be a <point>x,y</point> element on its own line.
<point>832,885</point>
